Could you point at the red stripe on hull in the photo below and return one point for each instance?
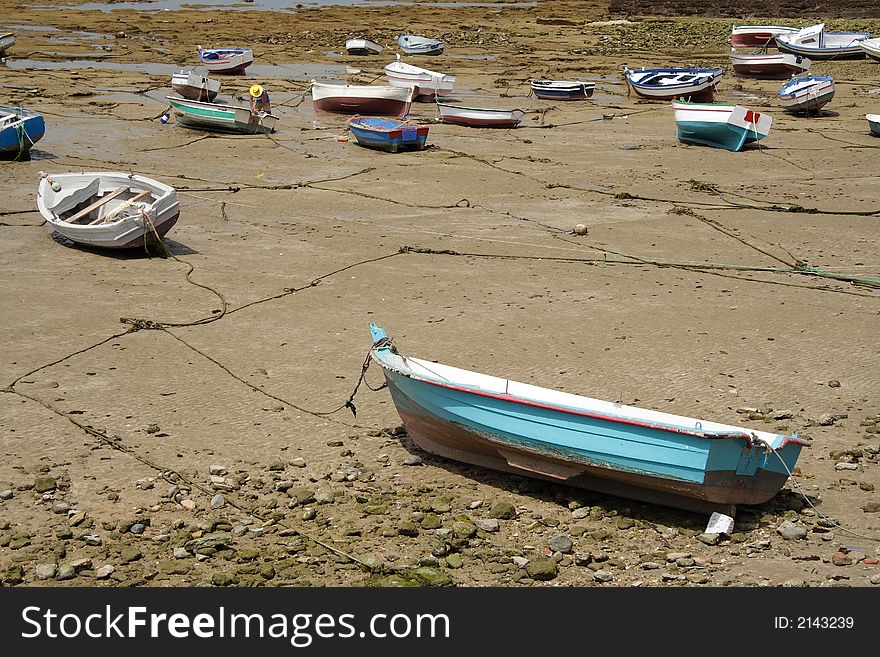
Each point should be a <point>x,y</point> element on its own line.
<point>379,106</point>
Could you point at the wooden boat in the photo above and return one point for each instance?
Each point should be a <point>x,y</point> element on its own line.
<point>228,61</point>
<point>419,45</point>
<point>808,93</point>
<point>193,86</point>
<point>562,89</point>
<point>699,465</point>
<point>671,83</point>
<point>874,124</point>
<point>757,36</point>
<point>362,47</point>
<point>20,129</point>
<point>480,117</point>
<point>722,126</point>
<point>814,42</point>
<point>7,39</point>
<point>389,135</point>
<point>424,82</point>
<point>362,99</point>
<point>769,65</point>
<point>221,118</point>
<point>107,209</point>
<point>871,48</point>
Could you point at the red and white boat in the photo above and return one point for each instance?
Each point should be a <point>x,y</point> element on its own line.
<point>362,99</point>
<point>757,36</point>
<point>193,86</point>
<point>769,65</point>
<point>480,117</point>
<point>226,60</point>
<point>423,81</point>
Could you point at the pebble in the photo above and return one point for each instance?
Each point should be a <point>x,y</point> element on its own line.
<point>841,559</point>
<point>561,543</point>
<point>65,572</point>
<point>181,553</point>
<point>413,460</point>
<point>188,504</point>
<point>137,528</point>
<point>581,513</point>
<point>709,539</point>
<point>298,462</point>
<point>875,579</point>
<point>46,570</point>
<point>81,564</point>
<point>454,561</point>
<point>846,466</point>
<point>521,562</point>
<point>104,572</point>
<point>218,470</point>
<point>92,539</point>
<point>6,494</point>
<point>542,569</point>
<point>488,525</point>
<point>218,501</point>
<point>503,510</point>
<point>791,532</point>
<point>309,514</point>
<point>782,415</point>
<point>44,484</point>
<point>603,576</point>
<point>476,504</point>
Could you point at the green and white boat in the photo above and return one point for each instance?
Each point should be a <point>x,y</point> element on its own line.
<point>221,118</point>
<point>719,125</point>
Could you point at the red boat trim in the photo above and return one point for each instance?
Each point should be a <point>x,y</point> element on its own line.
<point>598,416</point>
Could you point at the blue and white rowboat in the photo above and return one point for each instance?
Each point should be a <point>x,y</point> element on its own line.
<point>389,135</point>
<point>723,126</point>
<point>419,45</point>
<point>20,129</point>
<point>672,83</point>
<point>623,450</point>
<point>814,42</point>
<point>562,89</point>
<point>808,93</point>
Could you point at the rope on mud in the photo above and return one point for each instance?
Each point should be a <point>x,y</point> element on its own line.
<point>349,403</point>
<point>115,442</point>
<point>812,506</point>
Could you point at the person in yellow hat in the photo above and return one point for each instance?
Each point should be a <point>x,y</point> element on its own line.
<point>259,99</point>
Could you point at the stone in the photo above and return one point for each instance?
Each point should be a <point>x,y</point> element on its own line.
<point>841,559</point>
<point>454,561</point>
<point>782,415</point>
<point>581,513</point>
<point>871,507</point>
<point>602,576</point>
<point>45,570</point>
<point>301,495</point>
<point>77,519</point>
<point>44,484</point>
<point>104,571</point>
<point>875,579</point>
<point>561,543</point>
<point>463,529</point>
<point>137,528</point>
<point>488,524</point>
<point>520,562</point>
<point>846,466</point>
<point>791,532</point>
<point>218,470</point>
<point>65,572</point>
<point>181,553</point>
<point>503,510</point>
<point>92,539</point>
<point>407,528</point>
<point>129,553</point>
<point>413,460</point>
<point>13,574</point>
<point>214,540</point>
<point>298,462</point>
<point>432,576</point>
<point>224,579</point>
<point>709,539</point>
<point>542,569</point>
<point>625,523</point>
<point>431,521</point>
<point>218,501</point>
<point>6,494</point>
<point>867,487</point>
<point>188,504</point>
<point>81,564</point>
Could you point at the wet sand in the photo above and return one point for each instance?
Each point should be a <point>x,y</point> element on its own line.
<point>691,293</point>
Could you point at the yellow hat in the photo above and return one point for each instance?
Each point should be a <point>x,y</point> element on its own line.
<point>256,91</point>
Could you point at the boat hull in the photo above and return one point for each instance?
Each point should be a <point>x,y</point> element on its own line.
<point>849,49</point>
<point>874,124</point>
<point>557,91</point>
<point>664,85</point>
<point>220,118</point>
<point>721,126</point>
<point>477,117</point>
<point>687,472</point>
<point>807,95</point>
<point>362,47</point>
<point>771,67</point>
<point>18,137</point>
<point>349,105</point>
<point>871,48</point>
<point>194,87</point>
<point>230,61</point>
<point>390,139</point>
<point>755,36</point>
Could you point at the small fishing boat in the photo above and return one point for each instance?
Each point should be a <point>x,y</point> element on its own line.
<point>20,129</point>
<point>647,455</point>
<point>419,45</point>
<point>112,210</point>
<point>389,135</point>
<point>769,65</point>
<point>221,118</point>
<point>424,82</point>
<point>874,124</point>
<point>723,126</point>
<point>671,83</point>
<point>7,39</point>
<point>871,48</point>
<point>228,61</point>
<point>362,47</point>
<point>362,99</point>
<point>562,89</point>
<point>193,86</point>
<point>814,42</point>
<point>806,94</point>
<point>480,117</point>
<point>758,36</point>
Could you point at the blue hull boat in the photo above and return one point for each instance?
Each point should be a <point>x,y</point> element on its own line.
<point>20,129</point>
<point>633,452</point>
<point>388,134</point>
